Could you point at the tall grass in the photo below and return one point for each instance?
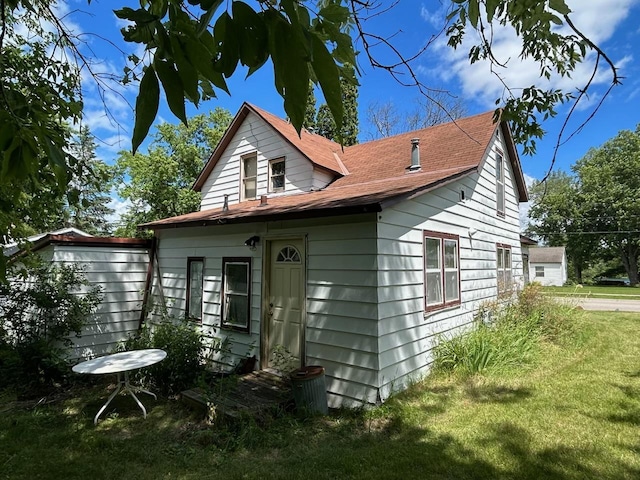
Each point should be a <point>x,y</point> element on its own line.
<point>508,335</point>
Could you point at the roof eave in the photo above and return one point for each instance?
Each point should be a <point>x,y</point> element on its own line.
<point>517,165</point>
<point>374,207</point>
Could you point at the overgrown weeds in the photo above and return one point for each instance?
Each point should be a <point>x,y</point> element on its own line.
<point>508,336</point>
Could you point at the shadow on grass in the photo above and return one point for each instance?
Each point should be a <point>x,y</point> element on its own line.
<point>629,407</point>
<point>496,393</point>
<point>61,442</point>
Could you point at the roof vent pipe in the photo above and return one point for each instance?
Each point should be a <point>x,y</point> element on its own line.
<point>225,205</point>
<point>415,155</point>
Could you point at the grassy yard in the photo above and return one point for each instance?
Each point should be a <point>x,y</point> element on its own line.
<point>576,415</point>
<point>595,291</point>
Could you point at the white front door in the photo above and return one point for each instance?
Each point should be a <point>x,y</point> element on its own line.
<point>284,329</point>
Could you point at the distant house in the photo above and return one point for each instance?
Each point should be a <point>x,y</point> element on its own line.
<point>120,266</point>
<point>548,265</point>
<point>356,259</point>
<point>525,244</point>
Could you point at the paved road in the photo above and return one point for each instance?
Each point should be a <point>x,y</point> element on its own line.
<point>605,304</point>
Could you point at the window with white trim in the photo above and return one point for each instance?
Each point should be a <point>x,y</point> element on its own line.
<point>504,268</point>
<point>195,283</point>
<point>236,293</point>
<point>500,194</point>
<point>276,175</point>
<point>540,271</point>
<point>249,174</point>
<point>441,270</point>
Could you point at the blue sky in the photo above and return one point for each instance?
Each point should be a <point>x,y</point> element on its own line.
<point>612,24</point>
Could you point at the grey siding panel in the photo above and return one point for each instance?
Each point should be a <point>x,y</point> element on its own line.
<point>121,273</point>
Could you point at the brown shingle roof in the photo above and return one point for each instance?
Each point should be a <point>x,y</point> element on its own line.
<point>377,170</point>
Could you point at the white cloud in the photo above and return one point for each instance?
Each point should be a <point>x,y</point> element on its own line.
<point>597,19</point>
<point>120,207</point>
<point>435,18</point>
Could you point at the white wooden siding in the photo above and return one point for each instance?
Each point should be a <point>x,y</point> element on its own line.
<point>555,274</point>
<point>255,135</point>
<point>406,334</point>
<point>341,308</point>
<point>121,273</point>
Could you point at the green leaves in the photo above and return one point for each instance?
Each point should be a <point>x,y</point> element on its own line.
<point>173,88</point>
<point>146,106</point>
<point>191,57</point>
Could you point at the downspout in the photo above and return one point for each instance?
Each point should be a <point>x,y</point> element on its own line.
<point>148,282</point>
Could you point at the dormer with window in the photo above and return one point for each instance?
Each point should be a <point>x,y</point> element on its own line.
<point>261,154</point>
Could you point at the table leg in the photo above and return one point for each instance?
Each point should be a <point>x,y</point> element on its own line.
<point>131,389</point>
<point>111,397</point>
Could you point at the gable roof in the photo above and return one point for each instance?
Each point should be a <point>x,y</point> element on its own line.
<point>374,174</point>
<point>546,255</point>
<point>320,151</point>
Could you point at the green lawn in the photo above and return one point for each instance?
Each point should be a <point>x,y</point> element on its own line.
<point>575,416</point>
<point>595,291</point>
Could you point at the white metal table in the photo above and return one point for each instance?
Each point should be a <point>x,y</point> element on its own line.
<point>122,363</point>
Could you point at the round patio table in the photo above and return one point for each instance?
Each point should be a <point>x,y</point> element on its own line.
<point>121,364</point>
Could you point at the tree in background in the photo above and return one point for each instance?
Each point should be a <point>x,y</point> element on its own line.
<point>39,95</point>
<point>389,120</point>
<point>557,218</point>
<point>87,208</point>
<point>609,186</point>
<point>596,213</point>
<point>325,124</point>
<point>158,183</point>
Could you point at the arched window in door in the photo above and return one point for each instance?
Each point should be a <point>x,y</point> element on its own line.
<point>288,254</point>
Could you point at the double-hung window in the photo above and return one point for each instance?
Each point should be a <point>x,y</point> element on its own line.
<point>441,270</point>
<point>504,268</point>
<point>249,176</point>
<point>236,293</point>
<point>195,283</point>
<point>539,271</point>
<point>276,175</point>
<point>500,199</point>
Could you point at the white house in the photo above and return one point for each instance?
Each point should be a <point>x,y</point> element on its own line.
<point>356,259</point>
<point>548,265</point>
<point>121,267</point>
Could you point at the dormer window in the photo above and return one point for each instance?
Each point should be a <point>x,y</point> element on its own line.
<point>249,176</point>
<point>276,175</point>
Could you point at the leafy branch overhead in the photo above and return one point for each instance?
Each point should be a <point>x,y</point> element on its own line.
<point>192,61</point>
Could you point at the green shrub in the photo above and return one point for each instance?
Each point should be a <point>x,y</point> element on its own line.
<point>507,336</point>
<point>42,306</point>
<point>185,354</point>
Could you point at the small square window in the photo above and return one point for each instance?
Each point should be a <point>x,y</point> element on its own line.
<point>540,271</point>
<point>276,175</point>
